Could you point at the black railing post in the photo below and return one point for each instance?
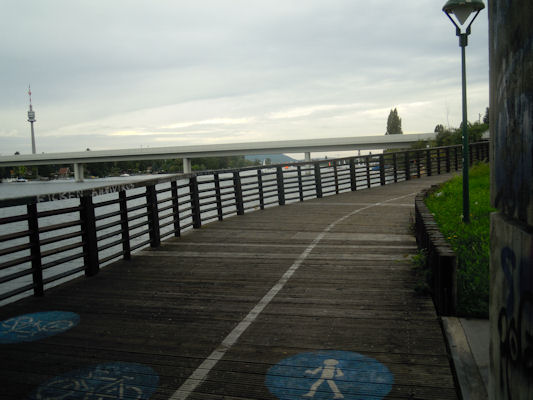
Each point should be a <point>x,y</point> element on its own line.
<point>175,208</point>
<point>300,185</point>
<point>336,177</point>
<point>124,224</point>
<point>218,196</point>
<point>382,169</point>
<point>395,167</point>
<point>353,178</point>
<point>281,189</point>
<point>367,163</point>
<point>153,216</point>
<point>90,241</point>
<point>456,158</point>
<point>260,187</point>
<point>448,281</point>
<point>448,159</point>
<point>35,250</point>
<point>470,156</point>
<point>429,167</point>
<point>239,204</point>
<point>407,166</point>
<point>318,181</point>
<point>195,203</point>
<point>438,161</point>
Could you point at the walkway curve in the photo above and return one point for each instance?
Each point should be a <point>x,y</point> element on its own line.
<point>213,311</point>
<point>201,372</point>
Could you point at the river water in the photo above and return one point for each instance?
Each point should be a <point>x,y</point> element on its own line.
<point>10,190</point>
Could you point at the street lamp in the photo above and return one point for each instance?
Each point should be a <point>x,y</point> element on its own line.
<point>461,11</point>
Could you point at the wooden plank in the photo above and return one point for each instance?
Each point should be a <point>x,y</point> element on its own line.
<point>170,307</point>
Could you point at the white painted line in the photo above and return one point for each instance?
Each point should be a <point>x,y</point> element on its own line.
<point>208,364</point>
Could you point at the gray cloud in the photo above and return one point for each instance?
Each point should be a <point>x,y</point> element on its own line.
<point>100,67</point>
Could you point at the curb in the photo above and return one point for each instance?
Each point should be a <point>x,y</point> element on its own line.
<point>470,382</point>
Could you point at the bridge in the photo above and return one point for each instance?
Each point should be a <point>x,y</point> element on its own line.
<point>314,298</point>
<point>78,159</point>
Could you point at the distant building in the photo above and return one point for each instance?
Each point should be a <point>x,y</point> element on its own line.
<point>64,172</point>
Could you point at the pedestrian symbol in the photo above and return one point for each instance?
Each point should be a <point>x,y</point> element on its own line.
<point>329,375</point>
<point>329,371</point>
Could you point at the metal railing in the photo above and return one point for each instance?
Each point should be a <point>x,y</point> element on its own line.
<point>55,237</point>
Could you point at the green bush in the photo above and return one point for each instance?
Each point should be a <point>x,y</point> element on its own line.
<point>451,136</point>
<point>471,242</point>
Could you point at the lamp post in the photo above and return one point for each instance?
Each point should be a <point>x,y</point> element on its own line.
<point>461,11</point>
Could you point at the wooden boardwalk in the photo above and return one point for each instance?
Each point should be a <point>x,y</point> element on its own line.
<point>213,311</point>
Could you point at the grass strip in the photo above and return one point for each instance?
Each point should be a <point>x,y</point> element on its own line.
<point>471,242</point>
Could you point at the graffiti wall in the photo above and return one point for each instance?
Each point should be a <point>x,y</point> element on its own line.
<point>511,106</point>
<point>511,125</point>
<point>511,310</point>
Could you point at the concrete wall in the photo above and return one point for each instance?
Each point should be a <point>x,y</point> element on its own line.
<point>511,122</point>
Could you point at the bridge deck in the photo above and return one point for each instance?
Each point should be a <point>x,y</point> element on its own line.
<point>220,294</point>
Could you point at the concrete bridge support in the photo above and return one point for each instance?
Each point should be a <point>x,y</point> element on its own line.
<point>187,169</point>
<point>79,172</point>
<point>511,125</point>
<point>307,157</point>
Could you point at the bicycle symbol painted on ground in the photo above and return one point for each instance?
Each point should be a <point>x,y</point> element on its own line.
<point>36,326</point>
<point>105,381</point>
<point>329,375</point>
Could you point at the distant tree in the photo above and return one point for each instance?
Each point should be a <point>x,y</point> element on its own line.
<point>486,117</point>
<point>394,123</point>
<point>20,170</point>
<point>421,144</point>
<point>4,172</point>
<point>475,131</point>
<point>48,170</point>
<point>17,153</point>
<point>448,137</point>
<point>439,128</point>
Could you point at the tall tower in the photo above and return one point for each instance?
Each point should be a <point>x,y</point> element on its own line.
<point>31,120</point>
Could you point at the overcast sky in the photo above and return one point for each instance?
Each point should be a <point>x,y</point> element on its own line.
<point>125,74</point>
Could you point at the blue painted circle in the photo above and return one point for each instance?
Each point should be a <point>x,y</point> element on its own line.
<point>36,326</point>
<point>104,381</point>
<point>328,375</point>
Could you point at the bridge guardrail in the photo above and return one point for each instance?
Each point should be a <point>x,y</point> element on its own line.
<point>52,238</point>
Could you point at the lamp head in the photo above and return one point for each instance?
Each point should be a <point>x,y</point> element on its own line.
<point>462,8</point>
